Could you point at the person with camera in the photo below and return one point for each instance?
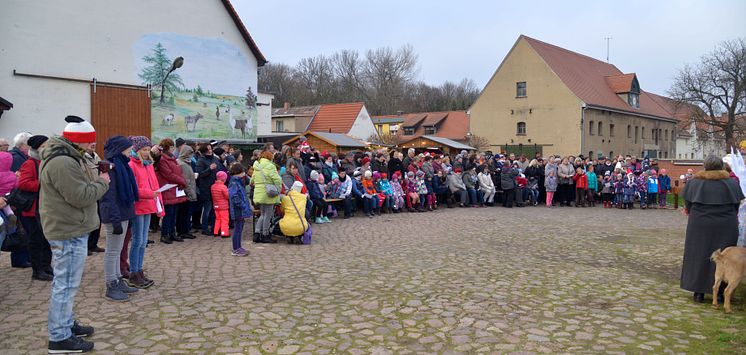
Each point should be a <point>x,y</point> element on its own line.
<point>68,197</point>
<point>117,208</point>
<point>40,254</point>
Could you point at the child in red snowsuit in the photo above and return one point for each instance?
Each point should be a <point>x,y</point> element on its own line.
<point>221,204</point>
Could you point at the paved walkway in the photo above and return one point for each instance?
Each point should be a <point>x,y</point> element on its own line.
<point>455,281</point>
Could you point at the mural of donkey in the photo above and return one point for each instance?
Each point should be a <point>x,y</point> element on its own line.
<point>193,121</point>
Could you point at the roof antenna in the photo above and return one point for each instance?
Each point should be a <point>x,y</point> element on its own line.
<point>608,40</point>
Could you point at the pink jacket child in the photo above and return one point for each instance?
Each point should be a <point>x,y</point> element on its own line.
<point>8,179</point>
<point>147,184</point>
<point>221,203</point>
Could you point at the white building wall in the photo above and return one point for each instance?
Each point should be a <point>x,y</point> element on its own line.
<point>88,39</point>
<point>694,148</point>
<point>264,113</point>
<point>363,126</point>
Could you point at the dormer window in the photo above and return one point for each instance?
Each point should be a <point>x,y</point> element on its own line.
<point>408,131</point>
<point>429,130</point>
<point>634,100</point>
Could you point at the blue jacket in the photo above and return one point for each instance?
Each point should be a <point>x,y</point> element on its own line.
<point>664,182</point>
<point>438,186</point>
<point>313,190</point>
<point>652,185</point>
<point>111,209</point>
<point>240,207</point>
<point>357,188</point>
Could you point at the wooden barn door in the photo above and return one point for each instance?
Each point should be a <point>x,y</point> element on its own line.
<point>119,110</point>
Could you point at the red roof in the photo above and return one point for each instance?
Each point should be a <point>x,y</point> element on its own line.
<point>620,83</point>
<point>245,33</point>
<point>335,118</point>
<point>586,77</point>
<point>449,124</point>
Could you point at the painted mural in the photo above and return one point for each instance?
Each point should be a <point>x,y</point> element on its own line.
<point>209,97</point>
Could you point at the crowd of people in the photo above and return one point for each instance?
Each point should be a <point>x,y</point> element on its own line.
<point>180,187</point>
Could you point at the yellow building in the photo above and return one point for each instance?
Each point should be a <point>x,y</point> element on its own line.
<point>549,99</point>
<point>387,124</point>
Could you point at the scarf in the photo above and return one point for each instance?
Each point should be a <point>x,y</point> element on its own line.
<point>125,179</point>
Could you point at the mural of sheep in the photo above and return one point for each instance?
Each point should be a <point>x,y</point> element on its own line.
<point>168,120</point>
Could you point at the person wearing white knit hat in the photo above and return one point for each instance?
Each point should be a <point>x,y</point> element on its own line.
<point>68,208</point>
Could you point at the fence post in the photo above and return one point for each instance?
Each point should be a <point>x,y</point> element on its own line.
<point>676,195</point>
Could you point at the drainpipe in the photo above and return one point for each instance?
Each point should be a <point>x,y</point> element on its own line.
<point>582,130</point>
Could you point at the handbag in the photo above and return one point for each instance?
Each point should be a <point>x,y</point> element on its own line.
<point>15,239</point>
<point>271,189</point>
<point>306,239</point>
<point>22,200</point>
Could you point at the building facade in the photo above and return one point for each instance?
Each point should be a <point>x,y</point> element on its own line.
<point>546,98</point>
<point>107,61</point>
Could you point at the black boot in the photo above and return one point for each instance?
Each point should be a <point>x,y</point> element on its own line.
<point>268,239</point>
<point>257,238</point>
<point>175,238</point>
<point>165,239</point>
<point>699,297</point>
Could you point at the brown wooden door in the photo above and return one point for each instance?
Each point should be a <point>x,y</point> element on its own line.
<point>119,110</point>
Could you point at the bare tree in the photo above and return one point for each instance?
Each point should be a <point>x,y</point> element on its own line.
<point>717,85</point>
<point>480,143</point>
<point>277,79</point>
<point>386,73</point>
<point>385,138</point>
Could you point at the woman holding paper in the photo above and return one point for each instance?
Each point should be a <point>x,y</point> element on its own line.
<point>149,201</point>
<point>168,172</point>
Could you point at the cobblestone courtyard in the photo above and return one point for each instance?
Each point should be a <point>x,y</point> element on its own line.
<point>455,281</point>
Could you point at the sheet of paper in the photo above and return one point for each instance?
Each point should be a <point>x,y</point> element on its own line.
<point>166,187</point>
<point>159,208</point>
<point>180,192</point>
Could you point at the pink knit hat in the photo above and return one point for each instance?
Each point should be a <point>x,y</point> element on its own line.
<point>222,176</point>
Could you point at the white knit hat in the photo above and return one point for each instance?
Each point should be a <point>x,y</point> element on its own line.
<point>79,130</point>
<point>297,186</point>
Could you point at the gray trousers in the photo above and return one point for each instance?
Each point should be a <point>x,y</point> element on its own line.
<point>114,244</point>
<point>265,219</point>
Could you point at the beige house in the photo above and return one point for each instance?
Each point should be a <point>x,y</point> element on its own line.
<point>288,119</point>
<point>549,99</point>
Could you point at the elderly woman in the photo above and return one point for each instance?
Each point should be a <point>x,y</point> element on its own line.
<point>293,223</point>
<point>565,172</point>
<point>712,200</point>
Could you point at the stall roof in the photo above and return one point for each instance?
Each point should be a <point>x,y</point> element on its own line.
<point>336,139</point>
<point>448,142</point>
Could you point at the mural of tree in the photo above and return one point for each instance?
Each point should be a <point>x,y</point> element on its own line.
<point>250,98</point>
<point>158,66</point>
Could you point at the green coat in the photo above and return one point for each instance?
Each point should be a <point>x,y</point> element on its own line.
<point>270,171</point>
<point>68,192</point>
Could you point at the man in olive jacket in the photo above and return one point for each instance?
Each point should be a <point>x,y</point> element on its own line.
<point>68,197</point>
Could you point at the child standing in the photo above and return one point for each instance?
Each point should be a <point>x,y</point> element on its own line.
<point>592,186</point>
<point>653,188</point>
<point>608,190</point>
<point>581,186</point>
<point>421,190</point>
<point>240,207</point>
<point>550,183</point>
<point>221,204</point>
<point>642,188</point>
<point>630,189</point>
<point>664,186</point>
<point>619,186</point>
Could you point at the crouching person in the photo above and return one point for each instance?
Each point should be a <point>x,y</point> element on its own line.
<point>293,223</point>
<point>68,208</point>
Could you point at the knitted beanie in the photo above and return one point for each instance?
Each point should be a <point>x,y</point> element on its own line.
<point>139,142</point>
<point>314,175</point>
<point>368,174</point>
<point>222,175</point>
<point>298,186</point>
<point>79,130</point>
<point>36,141</point>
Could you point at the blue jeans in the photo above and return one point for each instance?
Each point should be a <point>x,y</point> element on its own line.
<point>68,260</point>
<point>237,231</point>
<point>472,196</point>
<point>140,226</point>
<point>208,217</point>
<point>168,224</point>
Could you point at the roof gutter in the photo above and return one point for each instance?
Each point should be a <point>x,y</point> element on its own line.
<point>631,113</point>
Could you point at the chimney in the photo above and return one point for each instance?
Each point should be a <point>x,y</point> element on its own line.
<point>399,113</point>
<point>286,106</point>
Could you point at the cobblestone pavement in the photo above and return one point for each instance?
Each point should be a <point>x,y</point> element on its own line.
<point>529,280</point>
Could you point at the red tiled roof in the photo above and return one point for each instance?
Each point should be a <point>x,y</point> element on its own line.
<point>336,118</point>
<point>260,59</point>
<point>586,78</point>
<point>620,83</point>
<point>449,124</point>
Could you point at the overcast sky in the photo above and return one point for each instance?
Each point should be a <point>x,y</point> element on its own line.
<point>469,39</point>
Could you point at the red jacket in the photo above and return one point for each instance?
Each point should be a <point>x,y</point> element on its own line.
<point>169,172</point>
<point>220,197</point>
<point>147,184</point>
<point>581,181</point>
<point>29,182</point>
